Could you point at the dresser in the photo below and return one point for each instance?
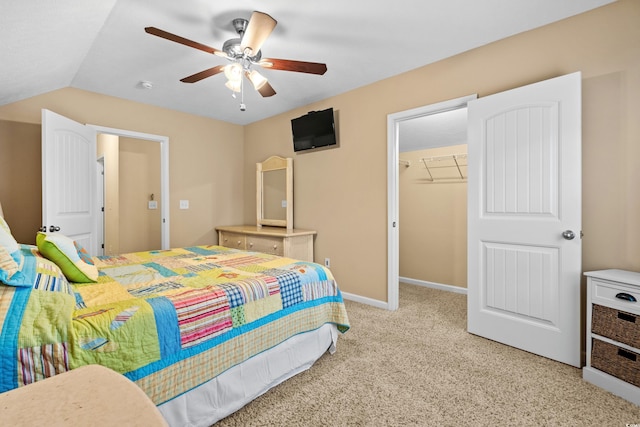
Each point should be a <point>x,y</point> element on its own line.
<point>291,243</point>
<point>613,332</point>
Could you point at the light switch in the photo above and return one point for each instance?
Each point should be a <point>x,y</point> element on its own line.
<point>153,204</point>
<point>284,203</point>
<point>184,204</point>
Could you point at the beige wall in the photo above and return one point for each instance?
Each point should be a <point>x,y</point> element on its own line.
<point>205,155</point>
<point>433,218</point>
<point>139,226</point>
<point>342,194</point>
<point>21,179</point>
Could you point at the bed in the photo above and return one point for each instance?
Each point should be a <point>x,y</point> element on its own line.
<point>201,330</point>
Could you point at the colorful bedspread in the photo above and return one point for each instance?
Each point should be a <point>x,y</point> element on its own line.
<point>168,320</point>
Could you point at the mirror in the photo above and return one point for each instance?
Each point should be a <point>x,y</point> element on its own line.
<point>274,192</point>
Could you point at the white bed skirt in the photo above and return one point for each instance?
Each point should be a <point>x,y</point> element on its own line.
<point>234,388</point>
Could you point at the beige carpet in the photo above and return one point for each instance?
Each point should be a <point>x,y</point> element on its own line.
<point>419,366</point>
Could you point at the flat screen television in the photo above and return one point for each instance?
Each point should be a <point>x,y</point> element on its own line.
<point>313,130</point>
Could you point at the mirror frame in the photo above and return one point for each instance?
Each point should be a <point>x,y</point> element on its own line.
<point>271,164</point>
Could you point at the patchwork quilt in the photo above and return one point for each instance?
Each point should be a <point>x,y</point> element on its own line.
<point>168,320</point>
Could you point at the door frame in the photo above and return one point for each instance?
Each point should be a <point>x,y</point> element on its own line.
<point>393,143</point>
<point>164,172</point>
<point>100,202</point>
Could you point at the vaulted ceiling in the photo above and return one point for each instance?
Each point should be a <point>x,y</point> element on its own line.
<point>101,46</point>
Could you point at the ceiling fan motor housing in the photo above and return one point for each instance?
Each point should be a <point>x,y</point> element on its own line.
<point>232,46</point>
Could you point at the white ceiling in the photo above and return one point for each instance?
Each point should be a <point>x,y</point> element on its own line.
<point>434,130</point>
<point>101,46</point>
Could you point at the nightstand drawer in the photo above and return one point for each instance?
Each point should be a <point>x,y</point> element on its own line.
<point>269,245</point>
<point>607,293</point>
<point>616,361</point>
<point>232,240</point>
<point>616,324</point>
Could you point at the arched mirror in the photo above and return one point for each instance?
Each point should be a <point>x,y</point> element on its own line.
<point>274,192</point>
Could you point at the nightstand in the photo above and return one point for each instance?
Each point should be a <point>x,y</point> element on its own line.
<point>613,332</point>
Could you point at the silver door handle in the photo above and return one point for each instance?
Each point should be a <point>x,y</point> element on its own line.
<point>568,234</point>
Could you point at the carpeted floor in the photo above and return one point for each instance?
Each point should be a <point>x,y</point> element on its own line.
<point>419,367</point>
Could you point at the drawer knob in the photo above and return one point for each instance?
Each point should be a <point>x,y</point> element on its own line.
<point>275,247</point>
<point>627,297</point>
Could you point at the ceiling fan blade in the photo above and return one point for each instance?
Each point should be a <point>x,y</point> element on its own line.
<point>203,74</point>
<point>291,65</point>
<point>260,83</point>
<point>178,39</point>
<point>259,27</point>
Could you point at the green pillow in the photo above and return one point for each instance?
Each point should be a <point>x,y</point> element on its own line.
<point>68,255</point>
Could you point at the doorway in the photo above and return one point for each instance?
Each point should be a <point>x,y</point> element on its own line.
<point>161,205</point>
<point>394,122</point>
<point>433,201</point>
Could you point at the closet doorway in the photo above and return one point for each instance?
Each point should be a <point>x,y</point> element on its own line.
<point>432,185</point>
<point>422,144</point>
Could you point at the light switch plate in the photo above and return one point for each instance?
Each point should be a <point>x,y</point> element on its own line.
<point>153,204</point>
<point>184,204</point>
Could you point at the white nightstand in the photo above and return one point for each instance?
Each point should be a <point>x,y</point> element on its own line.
<point>613,332</point>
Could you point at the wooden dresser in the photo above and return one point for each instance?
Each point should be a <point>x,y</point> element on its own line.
<point>291,243</point>
<point>613,332</point>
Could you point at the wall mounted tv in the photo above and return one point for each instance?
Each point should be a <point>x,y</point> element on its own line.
<point>313,130</point>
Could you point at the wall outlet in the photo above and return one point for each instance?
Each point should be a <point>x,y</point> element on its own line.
<point>327,262</point>
<point>184,204</point>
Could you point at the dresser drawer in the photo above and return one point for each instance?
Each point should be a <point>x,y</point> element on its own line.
<point>608,293</point>
<point>616,361</point>
<point>266,244</point>
<point>232,240</point>
<point>616,324</point>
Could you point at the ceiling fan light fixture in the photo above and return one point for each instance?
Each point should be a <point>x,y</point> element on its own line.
<point>233,71</point>
<point>234,85</point>
<point>257,79</point>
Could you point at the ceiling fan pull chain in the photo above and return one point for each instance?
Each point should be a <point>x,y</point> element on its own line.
<point>242,106</point>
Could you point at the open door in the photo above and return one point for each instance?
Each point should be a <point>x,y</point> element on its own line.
<point>69,179</point>
<point>524,219</point>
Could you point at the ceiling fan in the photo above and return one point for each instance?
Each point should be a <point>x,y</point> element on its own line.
<point>243,52</point>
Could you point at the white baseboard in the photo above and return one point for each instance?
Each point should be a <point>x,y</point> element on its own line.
<point>434,285</point>
<point>384,305</point>
<point>364,300</point>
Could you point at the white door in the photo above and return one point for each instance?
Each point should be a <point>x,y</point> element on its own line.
<point>524,207</point>
<point>69,179</point>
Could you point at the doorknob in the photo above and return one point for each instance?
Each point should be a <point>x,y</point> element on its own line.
<point>53,228</point>
<point>568,234</point>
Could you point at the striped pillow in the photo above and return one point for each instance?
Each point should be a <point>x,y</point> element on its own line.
<point>11,258</point>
